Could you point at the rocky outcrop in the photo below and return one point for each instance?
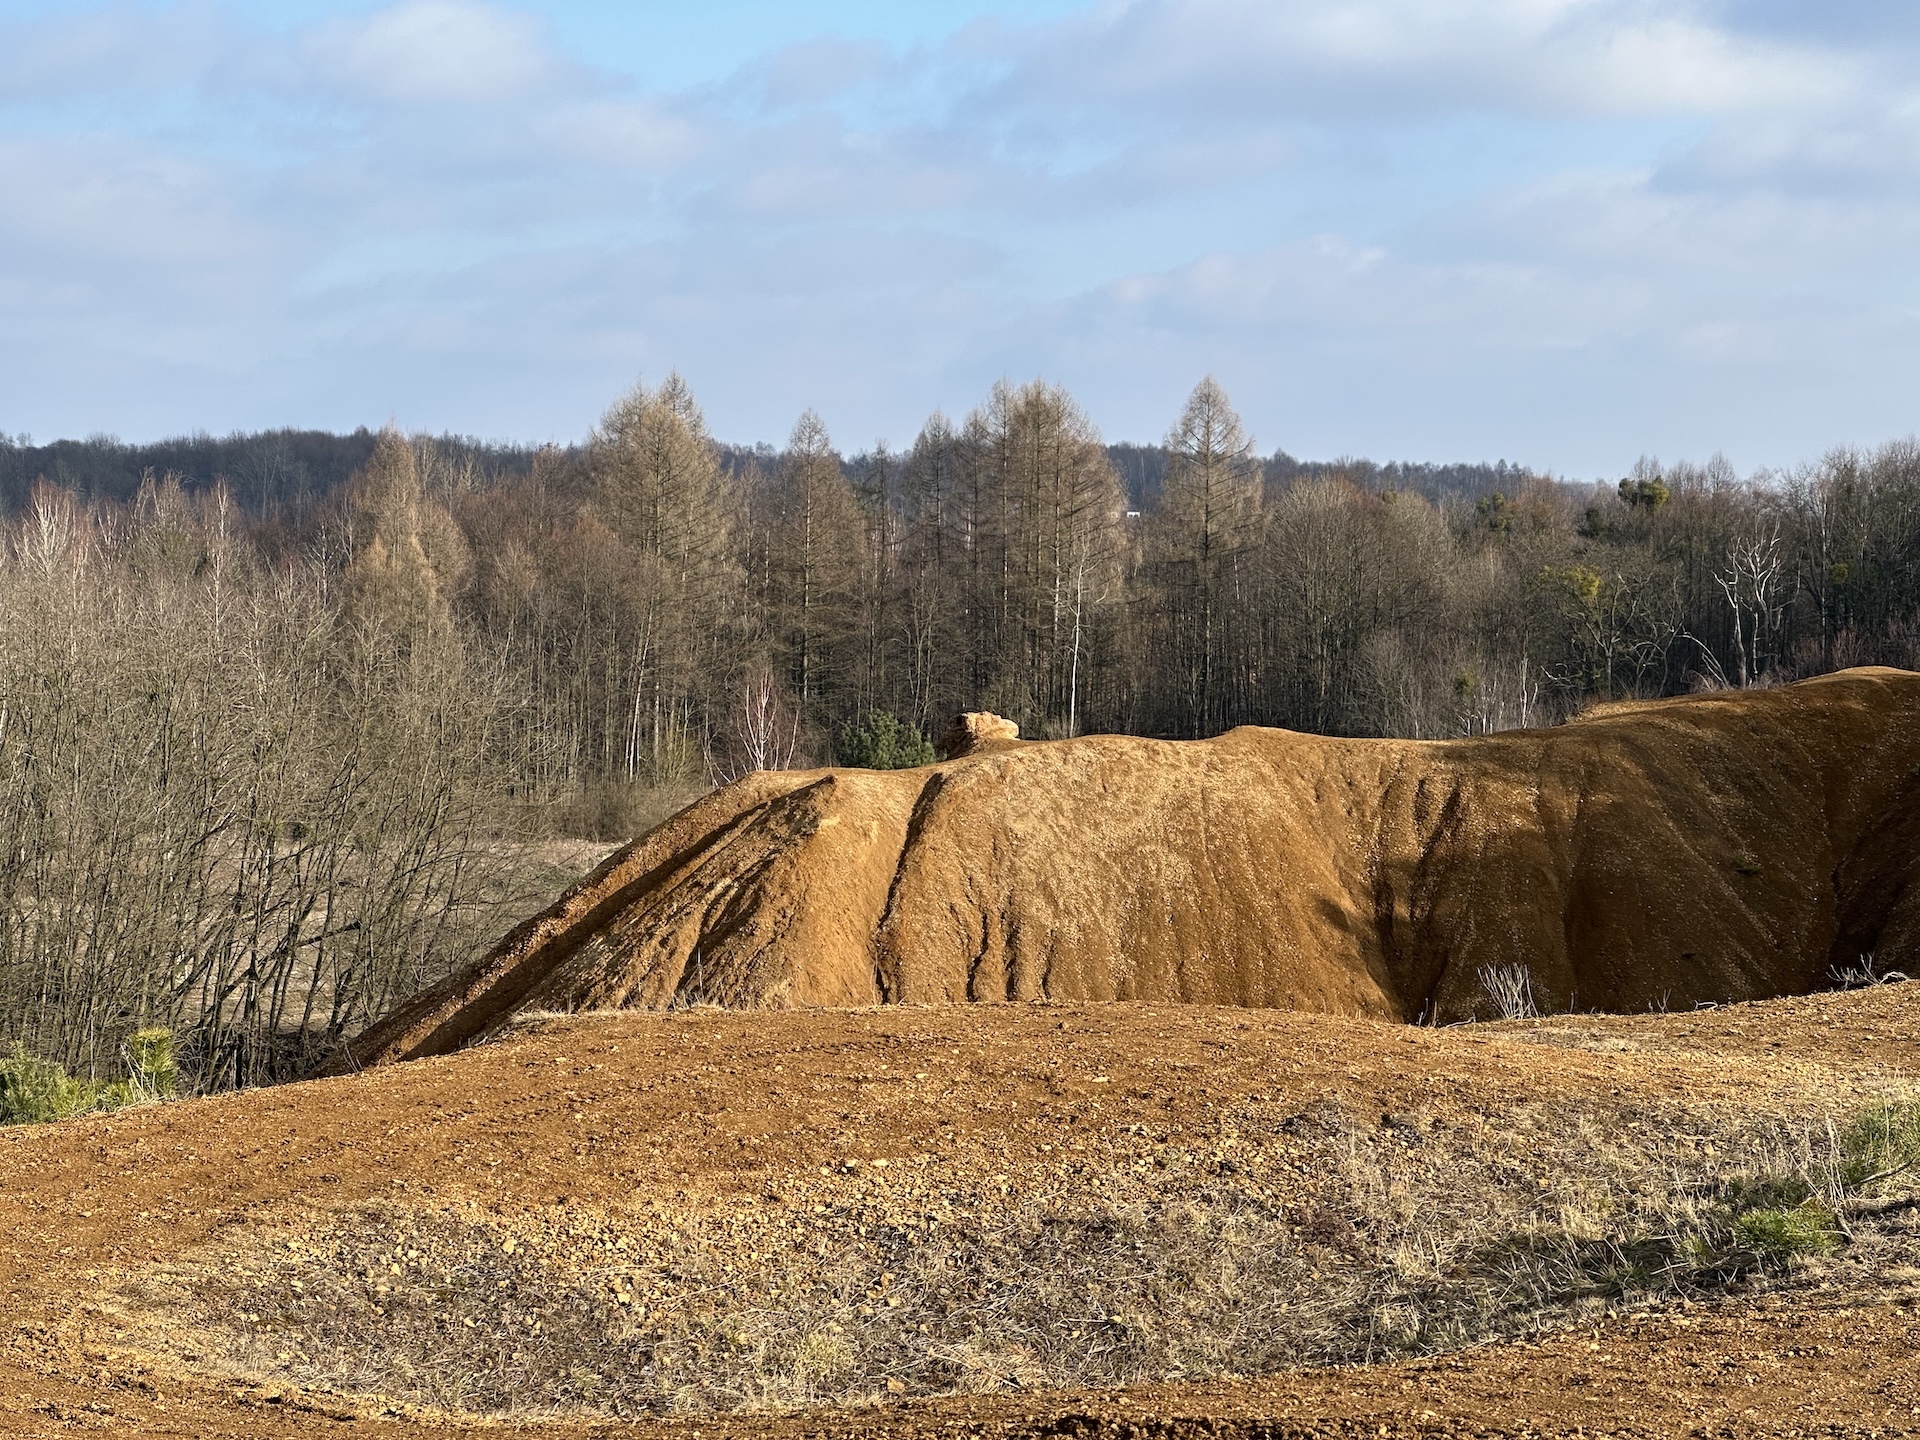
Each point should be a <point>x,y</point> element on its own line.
<point>976,731</point>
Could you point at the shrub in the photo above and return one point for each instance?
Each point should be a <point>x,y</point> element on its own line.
<point>1510,988</point>
<point>885,742</point>
<point>35,1091</point>
<point>151,1068</point>
<point>31,1090</point>
<point>1866,975</point>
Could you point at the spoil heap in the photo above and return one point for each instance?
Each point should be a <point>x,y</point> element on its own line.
<point>1721,847</point>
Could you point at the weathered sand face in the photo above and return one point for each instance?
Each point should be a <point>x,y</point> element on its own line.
<point>1716,848</point>
<point>975,731</point>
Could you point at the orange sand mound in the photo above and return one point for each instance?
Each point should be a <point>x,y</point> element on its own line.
<point>1722,847</point>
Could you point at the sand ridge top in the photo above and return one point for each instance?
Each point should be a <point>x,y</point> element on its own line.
<point>1714,848</point>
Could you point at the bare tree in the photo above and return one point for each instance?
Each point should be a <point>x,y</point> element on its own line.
<point>1751,581</point>
<point>1205,528</point>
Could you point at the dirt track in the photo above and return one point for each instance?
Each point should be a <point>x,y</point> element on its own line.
<point>748,1121</point>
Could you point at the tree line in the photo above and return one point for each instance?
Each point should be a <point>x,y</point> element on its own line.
<point>662,613</point>
<point>269,765</point>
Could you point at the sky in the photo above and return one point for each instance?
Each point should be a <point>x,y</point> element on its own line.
<point>1566,233</point>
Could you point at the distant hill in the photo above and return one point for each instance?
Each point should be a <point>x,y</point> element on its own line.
<point>273,472</point>
<point>268,472</point>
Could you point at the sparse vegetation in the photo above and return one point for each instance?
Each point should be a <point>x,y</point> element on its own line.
<point>1783,1235</point>
<point>1866,974</point>
<point>1510,990</point>
<point>1391,1239</point>
<point>1879,1145</point>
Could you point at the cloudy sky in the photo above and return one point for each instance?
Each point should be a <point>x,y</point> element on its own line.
<point>1565,232</point>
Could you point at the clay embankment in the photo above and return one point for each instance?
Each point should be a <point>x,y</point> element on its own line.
<point>1723,847</point>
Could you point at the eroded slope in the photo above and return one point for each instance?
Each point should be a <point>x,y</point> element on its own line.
<point>1716,848</point>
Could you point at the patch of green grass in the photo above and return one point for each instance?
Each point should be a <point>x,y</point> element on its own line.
<point>1765,1192</point>
<point>1782,1235</point>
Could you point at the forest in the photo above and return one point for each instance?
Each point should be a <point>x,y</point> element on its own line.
<point>285,720</point>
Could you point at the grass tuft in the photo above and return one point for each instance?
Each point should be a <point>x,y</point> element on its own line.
<point>1779,1236</point>
<point>1880,1144</point>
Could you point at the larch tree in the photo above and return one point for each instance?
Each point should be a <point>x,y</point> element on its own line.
<point>656,483</point>
<point>813,541</point>
<point>1054,507</point>
<point>1209,507</point>
<point>409,559</point>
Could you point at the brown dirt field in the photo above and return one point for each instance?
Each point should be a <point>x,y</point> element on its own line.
<point>1716,848</point>
<point>250,1264</point>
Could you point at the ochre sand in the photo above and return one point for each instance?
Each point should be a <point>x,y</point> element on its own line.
<point>1717,848</point>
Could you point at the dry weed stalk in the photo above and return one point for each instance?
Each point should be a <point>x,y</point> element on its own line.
<point>1510,988</point>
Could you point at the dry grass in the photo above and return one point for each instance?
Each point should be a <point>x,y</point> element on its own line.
<point>1311,1238</point>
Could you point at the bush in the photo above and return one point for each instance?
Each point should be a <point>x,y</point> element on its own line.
<point>35,1091</point>
<point>1510,988</point>
<point>151,1068</point>
<point>608,810</point>
<point>885,742</point>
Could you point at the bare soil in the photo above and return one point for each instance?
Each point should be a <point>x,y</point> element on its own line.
<point>1706,849</point>
<point>1096,1220</point>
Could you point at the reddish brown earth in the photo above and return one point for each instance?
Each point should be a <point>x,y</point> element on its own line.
<point>746,1123</point>
<point>1716,848</point>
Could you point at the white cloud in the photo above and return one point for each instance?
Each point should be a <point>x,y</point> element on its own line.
<point>1571,323</point>
<point>1418,225</point>
<point>1587,57</point>
<point>100,204</point>
<point>621,134</point>
<point>66,55</point>
<point>437,50</point>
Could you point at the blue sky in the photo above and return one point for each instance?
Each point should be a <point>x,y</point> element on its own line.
<point>1565,232</point>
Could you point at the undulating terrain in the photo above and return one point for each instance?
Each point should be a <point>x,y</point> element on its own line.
<point>1666,853</point>
<point>979,1220</point>
<point>706,1149</point>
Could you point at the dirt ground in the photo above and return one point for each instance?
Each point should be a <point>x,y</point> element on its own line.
<point>159,1264</point>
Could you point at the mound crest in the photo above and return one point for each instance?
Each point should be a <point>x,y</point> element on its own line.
<point>1722,847</point>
